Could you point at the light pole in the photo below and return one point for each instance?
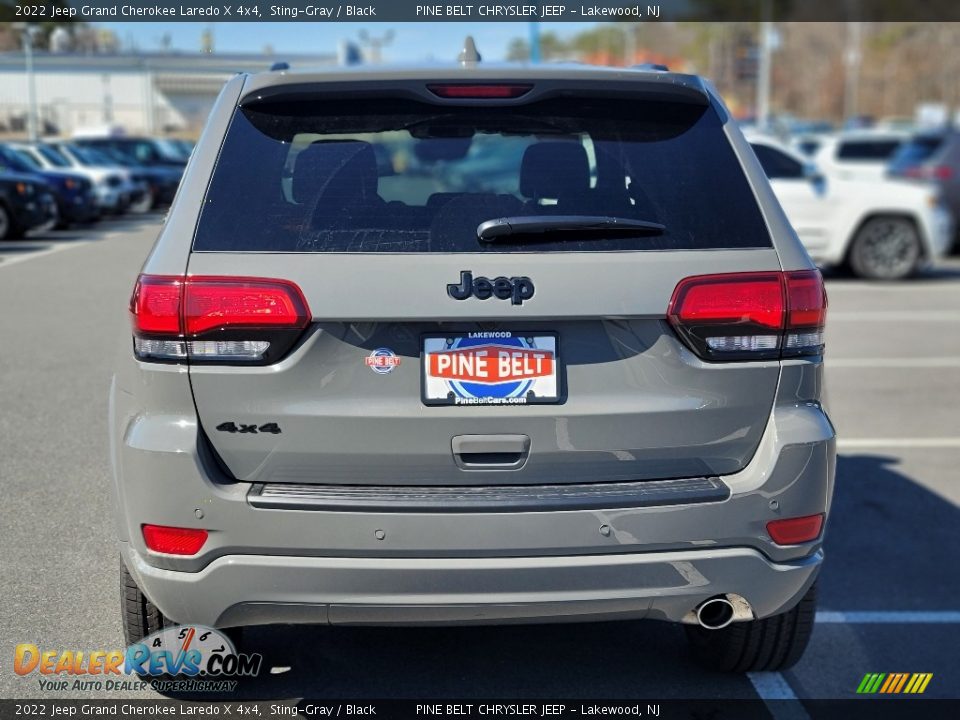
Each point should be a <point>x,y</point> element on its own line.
<point>763,74</point>
<point>764,64</point>
<point>27,32</point>
<point>852,78</point>
<point>629,44</point>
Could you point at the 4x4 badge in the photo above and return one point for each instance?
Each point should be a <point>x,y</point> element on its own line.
<point>517,289</point>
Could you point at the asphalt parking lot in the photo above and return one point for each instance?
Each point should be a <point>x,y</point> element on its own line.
<point>890,590</point>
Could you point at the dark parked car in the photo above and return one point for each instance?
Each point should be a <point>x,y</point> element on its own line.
<point>26,202</point>
<point>73,193</point>
<point>152,152</point>
<point>160,181</point>
<point>935,157</point>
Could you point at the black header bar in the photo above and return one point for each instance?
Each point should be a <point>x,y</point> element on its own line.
<point>551,11</point>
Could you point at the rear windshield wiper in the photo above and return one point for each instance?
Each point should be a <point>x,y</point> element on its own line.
<point>500,228</point>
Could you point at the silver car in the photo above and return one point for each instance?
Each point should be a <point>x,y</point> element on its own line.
<point>476,345</point>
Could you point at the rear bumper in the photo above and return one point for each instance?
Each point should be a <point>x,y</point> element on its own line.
<point>255,589</point>
<point>111,199</point>
<point>393,564</point>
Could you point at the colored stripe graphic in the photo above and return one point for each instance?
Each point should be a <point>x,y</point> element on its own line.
<point>894,683</point>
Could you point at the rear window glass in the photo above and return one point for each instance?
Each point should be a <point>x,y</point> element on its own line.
<point>402,176</point>
<point>918,150</point>
<point>778,165</point>
<point>867,150</point>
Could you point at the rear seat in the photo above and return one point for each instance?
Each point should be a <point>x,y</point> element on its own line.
<point>558,171</point>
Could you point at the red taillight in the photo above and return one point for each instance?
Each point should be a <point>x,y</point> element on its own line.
<point>806,299</point>
<point>480,92</point>
<point>155,305</point>
<point>928,172</point>
<point>221,303</point>
<point>173,540</point>
<point>216,319</point>
<point>941,172</point>
<point>750,316</point>
<point>755,298</point>
<point>793,531</point>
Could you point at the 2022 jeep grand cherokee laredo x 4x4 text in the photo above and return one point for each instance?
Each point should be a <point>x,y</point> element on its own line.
<point>476,345</point>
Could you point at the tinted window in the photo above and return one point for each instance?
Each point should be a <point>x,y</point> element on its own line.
<point>917,151</point>
<point>53,156</point>
<point>867,150</point>
<point>778,165</point>
<point>10,161</point>
<point>28,159</point>
<point>88,156</point>
<point>401,176</point>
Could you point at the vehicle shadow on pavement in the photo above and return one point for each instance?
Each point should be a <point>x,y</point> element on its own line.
<point>618,659</point>
<point>890,543</point>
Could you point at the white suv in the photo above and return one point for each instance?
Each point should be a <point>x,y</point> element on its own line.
<point>884,229</point>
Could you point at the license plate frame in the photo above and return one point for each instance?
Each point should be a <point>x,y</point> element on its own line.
<point>514,391</point>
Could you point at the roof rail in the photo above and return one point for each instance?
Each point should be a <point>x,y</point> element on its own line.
<point>279,66</point>
<point>651,66</point>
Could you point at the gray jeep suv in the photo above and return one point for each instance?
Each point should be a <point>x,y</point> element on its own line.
<point>476,344</point>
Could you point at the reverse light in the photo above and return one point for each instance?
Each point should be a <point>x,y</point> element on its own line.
<point>750,316</point>
<point>480,92</point>
<point>216,319</point>
<point>173,540</point>
<point>793,531</point>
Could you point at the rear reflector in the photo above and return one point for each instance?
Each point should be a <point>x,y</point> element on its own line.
<point>173,540</point>
<point>216,319</point>
<point>793,531</point>
<point>480,92</point>
<point>750,316</point>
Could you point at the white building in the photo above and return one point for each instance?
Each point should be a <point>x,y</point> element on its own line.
<point>153,93</point>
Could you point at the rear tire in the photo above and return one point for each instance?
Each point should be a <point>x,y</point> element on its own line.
<point>140,616</point>
<point>885,248</point>
<point>9,229</point>
<point>773,643</point>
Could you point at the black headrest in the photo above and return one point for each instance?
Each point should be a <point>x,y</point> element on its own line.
<point>339,171</point>
<point>554,169</point>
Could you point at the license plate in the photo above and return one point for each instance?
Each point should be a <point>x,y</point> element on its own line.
<point>490,368</point>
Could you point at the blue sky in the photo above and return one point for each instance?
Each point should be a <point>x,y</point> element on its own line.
<point>412,41</point>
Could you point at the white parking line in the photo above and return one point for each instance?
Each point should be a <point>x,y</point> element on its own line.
<point>912,316</point>
<point>773,687</point>
<point>905,362</point>
<point>894,617</point>
<point>930,443</point>
<point>6,261</point>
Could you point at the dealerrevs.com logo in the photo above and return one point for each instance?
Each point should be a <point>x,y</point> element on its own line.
<point>180,657</point>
